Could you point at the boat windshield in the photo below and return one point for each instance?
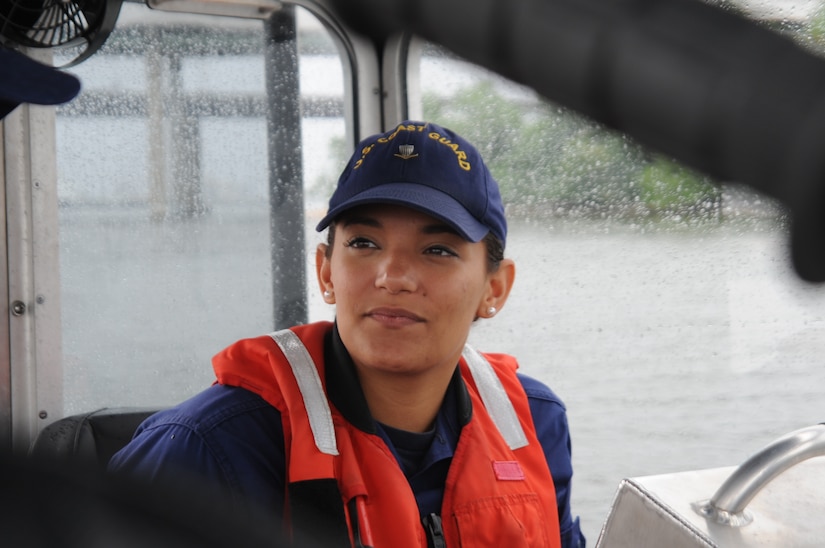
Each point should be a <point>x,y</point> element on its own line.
<point>659,304</point>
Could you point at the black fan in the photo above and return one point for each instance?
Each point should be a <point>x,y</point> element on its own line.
<point>80,24</point>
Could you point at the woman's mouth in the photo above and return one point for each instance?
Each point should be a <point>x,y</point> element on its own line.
<point>394,317</point>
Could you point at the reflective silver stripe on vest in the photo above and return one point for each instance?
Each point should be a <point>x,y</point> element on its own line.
<point>495,398</point>
<point>309,383</point>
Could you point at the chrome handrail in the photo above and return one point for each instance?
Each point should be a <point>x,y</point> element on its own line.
<point>728,505</point>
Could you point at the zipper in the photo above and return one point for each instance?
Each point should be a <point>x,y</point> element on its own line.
<point>435,533</point>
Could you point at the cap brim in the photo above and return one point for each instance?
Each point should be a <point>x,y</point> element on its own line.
<point>24,80</point>
<point>420,197</point>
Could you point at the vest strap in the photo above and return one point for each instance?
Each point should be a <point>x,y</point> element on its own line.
<point>495,398</point>
<point>315,401</point>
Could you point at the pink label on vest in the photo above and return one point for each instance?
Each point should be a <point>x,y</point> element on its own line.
<point>508,470</point>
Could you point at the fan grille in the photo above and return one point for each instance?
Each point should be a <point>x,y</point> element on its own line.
<point>80,25</point>
<point>49,23</point>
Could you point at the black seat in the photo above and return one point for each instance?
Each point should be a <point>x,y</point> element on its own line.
<point>60,497</point>
<point>90,438</point>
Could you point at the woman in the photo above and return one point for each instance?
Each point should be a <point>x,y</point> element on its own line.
<point>382,429</point>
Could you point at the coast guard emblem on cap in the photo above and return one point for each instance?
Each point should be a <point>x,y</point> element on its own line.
<point>405,152</point>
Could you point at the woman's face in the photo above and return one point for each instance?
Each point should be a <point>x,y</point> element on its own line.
<point>406,288</point>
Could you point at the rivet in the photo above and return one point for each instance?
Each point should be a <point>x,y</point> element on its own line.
<point>18,308</point>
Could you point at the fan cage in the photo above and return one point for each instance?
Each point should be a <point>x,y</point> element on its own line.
<point>50,23</point>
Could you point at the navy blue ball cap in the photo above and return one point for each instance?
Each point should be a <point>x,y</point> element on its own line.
<point>24,80</point>
<point>426,167</point>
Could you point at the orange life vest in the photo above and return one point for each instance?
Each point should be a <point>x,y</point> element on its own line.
<point>498,492</point>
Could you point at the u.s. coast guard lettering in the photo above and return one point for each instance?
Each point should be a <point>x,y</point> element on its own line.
<point>461,156</point>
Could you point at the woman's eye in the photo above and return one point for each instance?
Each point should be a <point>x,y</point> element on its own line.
<point>441,250</point>
<point>359,243</point>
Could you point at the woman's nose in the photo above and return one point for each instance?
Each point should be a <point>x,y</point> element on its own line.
<point>396,273</point>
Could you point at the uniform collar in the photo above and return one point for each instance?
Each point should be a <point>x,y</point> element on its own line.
<point>345,393</point>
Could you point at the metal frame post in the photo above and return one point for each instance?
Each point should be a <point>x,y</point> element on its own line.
<point>286,186</point>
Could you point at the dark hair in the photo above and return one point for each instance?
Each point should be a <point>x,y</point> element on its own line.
<point>495,247</point>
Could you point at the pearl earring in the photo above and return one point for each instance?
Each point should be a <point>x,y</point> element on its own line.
<point>327,293</point>
<point>491,311</point>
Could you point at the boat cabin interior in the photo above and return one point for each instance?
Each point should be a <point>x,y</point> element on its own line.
<point>660,163</point>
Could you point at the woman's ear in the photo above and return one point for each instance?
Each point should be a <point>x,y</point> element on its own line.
<point>499,284</point>
<point>324,274</point>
